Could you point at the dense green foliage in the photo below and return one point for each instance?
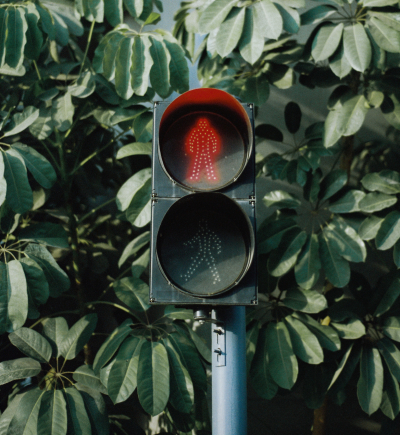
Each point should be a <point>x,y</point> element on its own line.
<point>78,336</point>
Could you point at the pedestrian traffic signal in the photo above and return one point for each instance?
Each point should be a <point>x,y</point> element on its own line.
<point>203,201</point>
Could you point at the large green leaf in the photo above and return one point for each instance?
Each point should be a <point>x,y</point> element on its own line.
<point>370,384</point>
<point>251,43</point>
<point>305,344</point>
<point>261,378</point>
<point>391,328</point>
<point>111,344</point>
<point>345,368</point>
<point>181,386</point>
<point>62,112</point>
<point>133,292</point>
<point>178,67</point>
<point>19,193</point>
<point>390,404</point>
<point>336,268</point>
<point>271,233</point>
<point>230,31</point>
<point>307,268</point>
<point>86,376</point>
<point>332,183</point>
<point>389,231</point>
<point>43,125</point>
<point>19,368</point>
<point>285,255</point>
<point>159,73</point>
<point>185,329</point>
<point>52,414</point>
<point>350,330</point>
<point>348,203</point>
<point>133,149</point>
<point>386,181</point>
<point>57,279</point>
<point>21,121</point>
<point>13,296</point>
<point>123,65</point>
<point>385,36</point>
<point>32,344</point>
<point>326,41</point>
<point>122,380</point>
<point>370,227</point>
<point>214,14</point>
<point>46,233</point>
<point>37,286</point>
<point>338,63</point>
<point>78,336</point>
<point>96,410</point>
<point>114,12</point>
<point>55,329</point>
<point>391,355</point>
<point>281,199</point>
<point>281,359</point>
<point>132,186</point>
<point>307,301</point>
<point>268,19</point>
<point>389,297</point>
<point>376,201</point>
<point>357,46</point>
<point>110,52</point>
<point>78,420</point>
<point>84,86</point>
<point>153,377</point>
<point>16,38</point>
<point>141,64</point>
<point>134,246</point>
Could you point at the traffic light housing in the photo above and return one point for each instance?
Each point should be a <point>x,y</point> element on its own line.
<point>203,201</point>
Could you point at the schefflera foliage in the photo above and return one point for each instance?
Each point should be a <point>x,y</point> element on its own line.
<point>54,401</point>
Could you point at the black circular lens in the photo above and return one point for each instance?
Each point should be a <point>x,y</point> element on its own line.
<point>205,244</point>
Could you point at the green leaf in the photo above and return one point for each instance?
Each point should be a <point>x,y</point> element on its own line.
<point>78,336</point>
<point>281,199</point>
<point>230,31</point>
<point>96,410</point>
<point>350,330</point>
<point>291,18</point>
<point>26,416</point>
<point>52,414</point>
<point>252,335</point>
<point>327,337</point>
<point>13,296</point>
<point>370,384</point>
<point>3,34</point>
<point>376,201</point>
<point>256,90</point>
<point>55,329</point>
<point>78,420</point>
<point>390,404</point>
<point>186,330</point>
<point>391,328</point>
<point>389,231</point>
<point>129,189</point>
<point>21,121</point>
<point>111,344</point>
<point>173,312</point>
<point>178,67</point>
<point>345,368</point>
<point>251,42</point>
<point>159,73</point>
<point>307,301</point>
<point>32,344</point>
<point>134,7</point>
<point>133,149</point>
<point>114,12</point>
<point>261,378</point>
<point>389,297</point>
<point>38,166</point>
<point>141,64</point>
<point>391,355</point>
<point>84,86</point>
<point>336,268</point>
<point>332,183</point>
<point>134,246</point>
<point>286,254</point>
<point>214,15</point>
<point>270,132</point>
<point>181,386</point>
<point>57,279</point>
<point>133,292</point>
<point>305,344</point>
<point>339,64</point>
<point>348,203</point>
<point>16,39</point>
<point>190,358</point>
<point>270,234</point>
<point>292,117</point>
<point>317,14</point>
<point>86,376</point>
<point>19,368</point>
<point>124,69</point>
<point>106,53</point>
<point>345,239</point>
<point>43,126</point>
<point>268,19</point>
<point>326,41</point>
<point>282,361</point>
<point>37,286</point>
<point>308,265</point>
<point>357,47</point>
<point>122,381</point>
<point>19,193</point>
<point>386,181</point>
<point>389,18</point>
<point>153,377</point>
<point>46,233</point>
<point>386,37</point>
<point>62,112</point>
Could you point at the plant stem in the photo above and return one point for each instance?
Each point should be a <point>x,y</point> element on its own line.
<point>94,210</point>
<point>319,425</point>
<point>87,47</point>
<point>120,307</point>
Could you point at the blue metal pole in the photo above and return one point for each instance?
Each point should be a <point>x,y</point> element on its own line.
<point>229,395</point>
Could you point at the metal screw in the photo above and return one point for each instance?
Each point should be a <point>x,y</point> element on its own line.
<point>254,302</point>
<point>152,300</point>
<point>218,331</point>
<point>218,351</point>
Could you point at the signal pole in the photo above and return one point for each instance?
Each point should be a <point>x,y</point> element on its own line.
<point>229,395</point>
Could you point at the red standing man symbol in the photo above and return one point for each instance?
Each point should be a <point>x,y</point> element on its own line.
<point>203,145</point>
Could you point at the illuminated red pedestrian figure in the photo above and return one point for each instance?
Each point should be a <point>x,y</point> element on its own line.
<point>204,145</point>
